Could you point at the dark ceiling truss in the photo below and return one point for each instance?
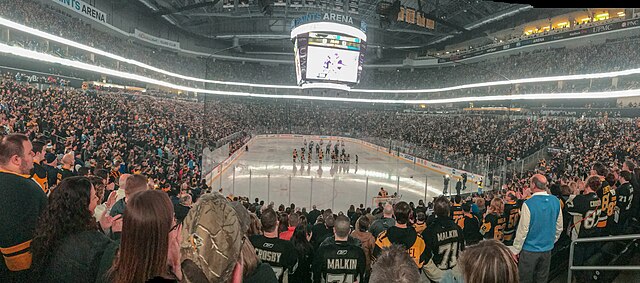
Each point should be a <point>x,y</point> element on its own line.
<point>210,18</point>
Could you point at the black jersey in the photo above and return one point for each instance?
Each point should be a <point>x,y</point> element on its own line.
<point>585,210</point>
<point>607,207</point>
<point>624,195</point>
<point>512,217</point>
<point>279,254</point>
<point>52,175</point>
<point>408,238</point>
<point>444,241</point>
<point>22,202</point>
<point>339,262</point>
<point>493,226</point>
<point>40,176</point>
<point>470,225</point>
<point>456,212</point>
<point>64,173</point>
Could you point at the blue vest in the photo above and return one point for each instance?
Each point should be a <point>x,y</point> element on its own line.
<point>544,211</point>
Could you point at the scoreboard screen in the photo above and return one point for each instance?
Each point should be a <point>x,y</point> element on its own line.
<point>328,57</point>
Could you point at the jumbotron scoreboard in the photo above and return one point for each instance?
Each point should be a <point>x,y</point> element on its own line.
<point>329,50</point>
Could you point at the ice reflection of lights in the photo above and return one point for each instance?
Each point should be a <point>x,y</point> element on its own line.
<point>284,172</point>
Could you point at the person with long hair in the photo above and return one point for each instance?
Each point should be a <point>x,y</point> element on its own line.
<point>493,225</point>
<point>304,248</point>
<point>489,261</point>
<point>149,247</point>
<point>68,244</point>
<point>253,269</point>
<point>367,241</point>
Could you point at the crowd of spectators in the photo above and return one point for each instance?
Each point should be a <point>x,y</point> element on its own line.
<point>73,161</point>
<point>547,62</point>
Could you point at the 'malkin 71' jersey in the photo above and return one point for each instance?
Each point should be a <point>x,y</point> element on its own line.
<point>444,241</point>
<point>339,262</point>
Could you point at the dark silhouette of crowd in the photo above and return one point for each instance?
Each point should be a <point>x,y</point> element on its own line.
<point>106,185</point>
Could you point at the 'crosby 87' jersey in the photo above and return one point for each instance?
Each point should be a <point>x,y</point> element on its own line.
<point>279,254</point>
<point>607,207</point>
<point>339,262</point>
<point>585,210</point>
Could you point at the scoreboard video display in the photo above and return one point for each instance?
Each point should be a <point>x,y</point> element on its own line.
<point>323,56</point>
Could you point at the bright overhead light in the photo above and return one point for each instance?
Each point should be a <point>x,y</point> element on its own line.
<point>36,32</point>
<point>29,54</point>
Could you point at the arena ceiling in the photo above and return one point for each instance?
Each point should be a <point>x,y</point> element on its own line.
<point>252,28</point>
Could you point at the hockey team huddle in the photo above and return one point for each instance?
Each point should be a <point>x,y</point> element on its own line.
<point>337,152</point>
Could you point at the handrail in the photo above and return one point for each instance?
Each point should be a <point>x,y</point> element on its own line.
<point>593,267</point>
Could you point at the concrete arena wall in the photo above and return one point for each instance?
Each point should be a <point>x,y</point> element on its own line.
<point>217,171</point>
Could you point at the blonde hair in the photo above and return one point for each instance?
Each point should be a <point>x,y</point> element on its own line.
<point>497,205</point>
<point>489,261</point>
<point>479,202</point>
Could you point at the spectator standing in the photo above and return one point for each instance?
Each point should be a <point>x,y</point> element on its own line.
<point>625,195</point>
<point>444,240</point>
<point>50,165</point>
<point>150,246</point>
<point>383,223</point>
<point>403,235</point>
<point>394,265</point>
<point>470,225</point>
<point>608,199</point>
<point>39,171</point>
<point>339,260</point>
<point>68,244</point>
<point>420,224</point>
<point>367,241</point>
<point>182,209</point>
<point>456,208</point>
<point>67,167</point>
<point>539,228</point>
<point>313,215</point>
<point>22,201</point>
<point>133,184</point>
<point>293,220</point>
<point>281,255</point>
<point>493,224</point>
<point>488,261</point>
<point>321,231</point>
<point>512,217</point>
<point>301,243</point>
<point>584,209</point>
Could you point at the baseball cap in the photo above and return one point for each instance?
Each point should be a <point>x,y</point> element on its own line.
<point>211,240</point>
<point>243,215</point>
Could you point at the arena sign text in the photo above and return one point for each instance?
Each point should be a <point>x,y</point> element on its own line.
<point>85,9</point>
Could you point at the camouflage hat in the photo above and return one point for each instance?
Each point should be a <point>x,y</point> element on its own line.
<point>243,215</point>
<point>211,240</point>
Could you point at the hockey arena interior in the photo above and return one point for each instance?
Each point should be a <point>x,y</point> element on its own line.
<point>333,141</point>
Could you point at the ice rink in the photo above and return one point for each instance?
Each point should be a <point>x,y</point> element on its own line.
<point>267,172</point>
